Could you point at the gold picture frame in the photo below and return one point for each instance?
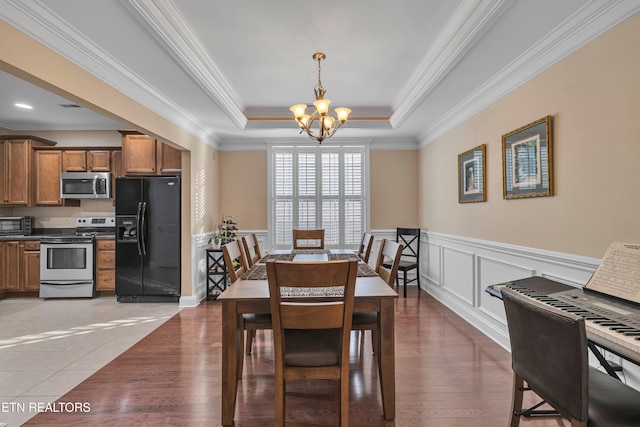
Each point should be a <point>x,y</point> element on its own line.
<point>527,161</point>
<point>472,186</point>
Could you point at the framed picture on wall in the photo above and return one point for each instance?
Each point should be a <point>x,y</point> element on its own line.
<point>471,179</point>
<point>527,160</point>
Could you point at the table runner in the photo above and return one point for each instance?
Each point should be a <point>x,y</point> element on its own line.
<point>258,271</point>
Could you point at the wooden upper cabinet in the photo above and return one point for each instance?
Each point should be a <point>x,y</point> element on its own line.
<point>139,155</point>
<point>169,160</point>
<point>74,160</point>
<point>14,187</point>
<point>99,161</point>
<point>143,156</point>
<point>86,160</point>
<point>48,165</point>
<point>15,168</point>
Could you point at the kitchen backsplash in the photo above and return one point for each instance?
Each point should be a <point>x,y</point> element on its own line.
<point>62,217</point>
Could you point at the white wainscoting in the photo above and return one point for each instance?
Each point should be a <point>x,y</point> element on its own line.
<point>199,243</point>
<point>458,270</point>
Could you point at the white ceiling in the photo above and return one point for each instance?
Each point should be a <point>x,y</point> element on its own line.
<point>409,69</point>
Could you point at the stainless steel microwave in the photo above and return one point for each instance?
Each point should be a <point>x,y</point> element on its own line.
<point>16,225</point>
<point>85,185</point>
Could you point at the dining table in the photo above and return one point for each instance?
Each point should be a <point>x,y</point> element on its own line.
<point>250,294</point>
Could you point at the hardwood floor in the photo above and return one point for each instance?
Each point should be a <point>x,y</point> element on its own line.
<point>447,374</point>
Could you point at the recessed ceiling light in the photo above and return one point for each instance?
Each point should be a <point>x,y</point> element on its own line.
<point>25,106</point>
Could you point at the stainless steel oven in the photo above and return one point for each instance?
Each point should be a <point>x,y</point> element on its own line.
<point>67,261</point>
<point>67,267</point>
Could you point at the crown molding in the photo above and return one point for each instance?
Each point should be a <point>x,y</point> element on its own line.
<point>262,144</point>
<point>592,20</point>
<point>166,24</point>
<point>466,26</point>
<point>33,18</point>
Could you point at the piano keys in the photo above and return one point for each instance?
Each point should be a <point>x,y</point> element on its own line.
<point>610,323</point>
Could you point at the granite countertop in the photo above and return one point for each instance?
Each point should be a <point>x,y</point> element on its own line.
<point>48,232</point>
<point>20,237</point>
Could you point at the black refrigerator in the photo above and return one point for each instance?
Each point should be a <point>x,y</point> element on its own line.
<point>148,239</point>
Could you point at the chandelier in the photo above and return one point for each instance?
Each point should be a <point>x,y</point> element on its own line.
<point>327,125</point>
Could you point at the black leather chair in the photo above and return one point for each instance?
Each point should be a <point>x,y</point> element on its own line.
<point>410,239</point>
<point>549,352</point>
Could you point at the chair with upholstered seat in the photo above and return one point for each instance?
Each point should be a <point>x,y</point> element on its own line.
<point>251,249</point>
<point>410,239</point>
<point>304,239</point>
<point>549,352</point>
<point>387,268</point>
<point>236,264</point>
<point>311,335</point>
<point>365,247</point>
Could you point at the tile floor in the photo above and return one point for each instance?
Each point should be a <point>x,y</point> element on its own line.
<point>47,347</point>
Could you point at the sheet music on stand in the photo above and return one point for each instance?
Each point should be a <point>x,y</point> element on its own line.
<point>618,274</point>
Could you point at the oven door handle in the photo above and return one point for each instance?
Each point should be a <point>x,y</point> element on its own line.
<point>65,283</point>
<point>139,225</point>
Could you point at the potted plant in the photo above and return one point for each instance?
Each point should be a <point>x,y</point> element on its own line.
<point>215,238</point>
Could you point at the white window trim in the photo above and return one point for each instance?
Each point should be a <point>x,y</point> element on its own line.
<point>270,178</point>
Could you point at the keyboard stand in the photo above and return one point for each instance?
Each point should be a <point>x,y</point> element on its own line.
<point>605,364</point>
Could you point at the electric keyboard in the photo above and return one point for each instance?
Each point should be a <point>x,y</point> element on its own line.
<point>610,323</point>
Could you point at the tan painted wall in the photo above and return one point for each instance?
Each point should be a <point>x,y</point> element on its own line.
<point>594,98</point>
<point>394,189</point>
<point>244,191</point>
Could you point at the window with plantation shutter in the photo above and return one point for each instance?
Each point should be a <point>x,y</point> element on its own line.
<point>318,187</point>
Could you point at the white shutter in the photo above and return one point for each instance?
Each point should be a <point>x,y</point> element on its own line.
<point>319,187</point>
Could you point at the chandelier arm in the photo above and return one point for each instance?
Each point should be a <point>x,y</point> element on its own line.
<point>335,128</point>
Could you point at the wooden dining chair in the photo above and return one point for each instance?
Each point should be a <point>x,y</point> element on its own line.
<point>236,264</point>
<point>410,239</point>
<point>311,335</point>
<point>365,247</point>
<point>301,239</point>
<point>387,268</point>
<point>234,260</point>
<point>251,249</point>
<point>549,352</point>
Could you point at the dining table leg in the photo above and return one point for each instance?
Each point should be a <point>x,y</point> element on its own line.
<point>231,341</point>
<point>387,358</point>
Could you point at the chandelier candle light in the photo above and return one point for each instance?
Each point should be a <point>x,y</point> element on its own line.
<point>327,125</point>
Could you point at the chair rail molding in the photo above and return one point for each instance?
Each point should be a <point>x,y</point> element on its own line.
<point>457,269</point>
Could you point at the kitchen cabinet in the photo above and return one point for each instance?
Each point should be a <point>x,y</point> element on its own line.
<point>117,170</point>
<point>15,168</point>
<point>12,258</point>
<point>47,165</point>
<point>3,270</point>
<point>30,280</point>
<point>86,160</point>
<point>143,155</point>
<point>106,265</point>
<point>21,265</point>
